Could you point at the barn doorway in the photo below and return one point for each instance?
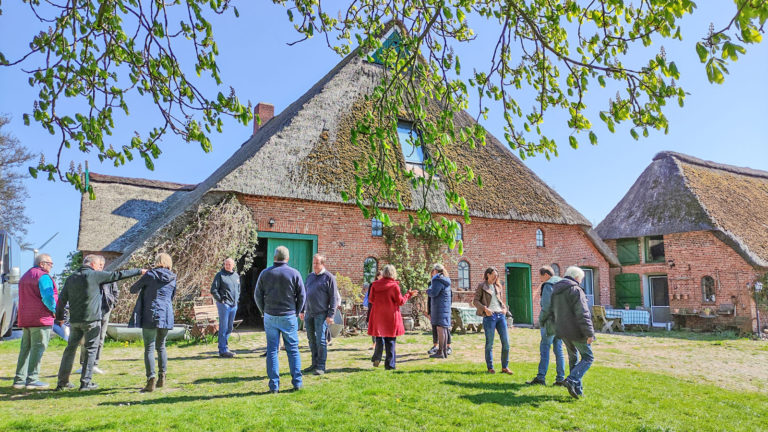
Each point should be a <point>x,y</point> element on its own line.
<point>301,248</point>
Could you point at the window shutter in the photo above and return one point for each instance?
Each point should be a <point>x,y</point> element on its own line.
<point>628,290</point>
<point>628,250</point>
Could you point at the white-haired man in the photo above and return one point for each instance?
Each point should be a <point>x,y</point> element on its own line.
<point>37,304</point>
<point>280,296</point>
<point>573,324</point>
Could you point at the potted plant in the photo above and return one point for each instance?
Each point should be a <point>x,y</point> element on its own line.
<point>626,306</point>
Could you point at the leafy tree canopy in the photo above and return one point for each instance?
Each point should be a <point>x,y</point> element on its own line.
<point>95,53</point>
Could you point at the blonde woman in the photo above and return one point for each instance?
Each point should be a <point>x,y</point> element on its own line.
<point>386,322</point>
<point>494,312</point>
<point>154,314</point>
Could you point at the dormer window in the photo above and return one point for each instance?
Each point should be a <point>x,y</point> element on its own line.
<point>410,143</point>
<point>392,40</point>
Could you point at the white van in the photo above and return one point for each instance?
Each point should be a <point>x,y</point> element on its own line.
<point>10,260</point>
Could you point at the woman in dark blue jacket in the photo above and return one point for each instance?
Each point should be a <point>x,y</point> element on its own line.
<point>439,293</point>
<point>154,314</point>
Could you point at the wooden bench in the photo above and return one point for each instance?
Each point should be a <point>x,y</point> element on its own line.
<point>600,321</point>
<point>206,321</point>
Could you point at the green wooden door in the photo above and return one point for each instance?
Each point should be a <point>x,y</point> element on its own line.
<point>519,298</point>
<point>628,290</point>
<point>299,253</point>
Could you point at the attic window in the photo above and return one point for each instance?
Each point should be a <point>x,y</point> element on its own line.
<point>539,238</point>
<point>654,249</point>
<point>377,228</point>
<point>708,289</point>
<point>410,142</point>
<point>392,41</point>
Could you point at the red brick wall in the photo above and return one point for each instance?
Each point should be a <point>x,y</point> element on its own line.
<point>344,236</point>
<point>694,255</point>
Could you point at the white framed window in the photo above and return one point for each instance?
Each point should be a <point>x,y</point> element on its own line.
<point>410,143</point>
<point>588,285</point>
<point>556,269</point>
<point>539,238</point>
<point>377,227</point>
<point>459,232</point>
<point>463,267</point>
<point>370,267</point>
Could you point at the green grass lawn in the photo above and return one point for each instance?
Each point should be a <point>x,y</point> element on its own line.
<point>624,390</point>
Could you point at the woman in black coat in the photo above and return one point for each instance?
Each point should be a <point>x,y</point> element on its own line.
<point>154,314</point>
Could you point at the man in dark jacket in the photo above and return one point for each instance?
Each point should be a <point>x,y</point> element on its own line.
<point>225,289</point>
<point>547,327</point>
<point>82,290</point>
<point>322,301</point>
<point>573,324</point>
<point>280,295</point>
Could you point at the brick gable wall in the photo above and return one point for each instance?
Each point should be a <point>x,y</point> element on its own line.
<point>689,257</point>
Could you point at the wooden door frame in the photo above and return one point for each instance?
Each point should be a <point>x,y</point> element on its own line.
<point>288,236</point>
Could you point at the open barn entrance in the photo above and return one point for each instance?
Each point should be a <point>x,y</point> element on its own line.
<point>246,308</point>
<point>301,247</point>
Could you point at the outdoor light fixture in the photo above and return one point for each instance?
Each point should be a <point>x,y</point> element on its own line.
<point>271,222</point>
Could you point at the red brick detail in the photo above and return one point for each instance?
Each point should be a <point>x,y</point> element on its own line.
<point>344,236</point>
<point>265,112</point>
<point>689,257</point>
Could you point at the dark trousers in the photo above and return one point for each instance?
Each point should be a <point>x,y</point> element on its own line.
<point>154,340</point>
<point>442,339</point>
<point>434,335</point>
<point>389,344</point>
<point>91,331</point>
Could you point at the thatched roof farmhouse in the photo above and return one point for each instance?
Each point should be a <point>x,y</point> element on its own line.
<point>709,225</point>
<point>290,174</point>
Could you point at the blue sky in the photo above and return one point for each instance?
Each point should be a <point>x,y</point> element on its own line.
<point>725,123</point>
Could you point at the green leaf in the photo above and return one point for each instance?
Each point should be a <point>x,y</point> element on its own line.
<point>702,51</point>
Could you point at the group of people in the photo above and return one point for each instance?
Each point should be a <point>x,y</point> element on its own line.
<point>283,298</point>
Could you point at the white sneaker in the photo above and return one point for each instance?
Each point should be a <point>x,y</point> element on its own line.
<point>97,370</point>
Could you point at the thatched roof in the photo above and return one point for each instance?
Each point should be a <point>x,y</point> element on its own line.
<point>123,208</point>
<point>304,153</point>
<point>680,193</point>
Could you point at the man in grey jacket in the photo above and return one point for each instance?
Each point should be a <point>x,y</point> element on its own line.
<point>82,290</point>
<point>547,327</point>
<point>573,324</point>
<point>225,289</point>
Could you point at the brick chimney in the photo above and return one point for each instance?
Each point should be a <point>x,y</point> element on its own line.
<point>265,112</point>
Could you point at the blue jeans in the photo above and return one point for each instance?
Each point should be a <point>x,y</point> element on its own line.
<point>316,328</point>
<point>554,342</point>
<point>491,324</point>
<point>61,331</point>
<point>288,327</point>
<point>226,318</point>
<point>580,367</point>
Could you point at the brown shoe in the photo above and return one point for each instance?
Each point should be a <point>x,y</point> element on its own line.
<point>150,387</point>
<point>491,371</point>
<point>161,381</point>
<point>507,371</point>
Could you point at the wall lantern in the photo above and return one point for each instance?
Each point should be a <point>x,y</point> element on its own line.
<point>271,222</point>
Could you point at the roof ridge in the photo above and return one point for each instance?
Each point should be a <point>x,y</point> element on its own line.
<point>752,172</point>
<point>143,182</point>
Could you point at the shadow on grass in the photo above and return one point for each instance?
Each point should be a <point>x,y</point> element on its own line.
<point>13,394</point>
<point>228,380</point>
<point>510,400</point>
<point>685,335</point>
<point>186,398</point>
<point>505,393</point>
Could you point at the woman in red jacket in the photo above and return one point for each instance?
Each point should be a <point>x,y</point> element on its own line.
<point>386,323</point>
